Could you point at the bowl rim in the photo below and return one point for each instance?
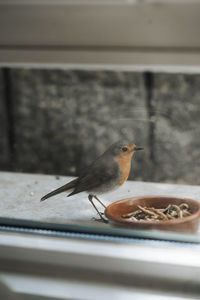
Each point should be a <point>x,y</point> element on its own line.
<point>178,221</point>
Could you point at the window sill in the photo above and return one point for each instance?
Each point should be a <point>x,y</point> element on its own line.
<point>57,268</point>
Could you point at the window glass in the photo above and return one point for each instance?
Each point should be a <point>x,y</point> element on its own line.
<point>56,123</point>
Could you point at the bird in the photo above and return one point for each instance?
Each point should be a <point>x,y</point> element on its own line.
<point>106,173</point>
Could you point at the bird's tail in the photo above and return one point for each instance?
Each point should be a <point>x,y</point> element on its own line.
<point>68,186</point>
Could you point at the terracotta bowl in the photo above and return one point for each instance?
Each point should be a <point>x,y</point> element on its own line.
<point>188,224</point>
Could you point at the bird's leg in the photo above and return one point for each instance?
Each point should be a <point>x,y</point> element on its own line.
<point>100,201</point>
<point>100,215</point>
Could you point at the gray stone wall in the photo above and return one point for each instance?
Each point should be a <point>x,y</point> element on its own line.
<point>177,98</point>
<point>4,131</point>
<point>64,119</point>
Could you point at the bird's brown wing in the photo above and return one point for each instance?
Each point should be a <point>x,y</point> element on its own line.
<point>98,174</point>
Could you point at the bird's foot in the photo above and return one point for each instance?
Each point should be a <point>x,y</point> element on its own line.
<point>101,219</point>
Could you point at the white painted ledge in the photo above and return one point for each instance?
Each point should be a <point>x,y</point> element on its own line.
<point>20,196</point>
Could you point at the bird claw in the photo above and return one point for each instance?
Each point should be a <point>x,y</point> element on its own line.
<point>102,219</point>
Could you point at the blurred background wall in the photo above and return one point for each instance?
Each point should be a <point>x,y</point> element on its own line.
<point>59,121</point>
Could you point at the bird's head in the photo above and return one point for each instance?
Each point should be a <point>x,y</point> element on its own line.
<point>124,149</point>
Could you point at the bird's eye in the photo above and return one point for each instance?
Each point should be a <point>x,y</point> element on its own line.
<point>124,149</point>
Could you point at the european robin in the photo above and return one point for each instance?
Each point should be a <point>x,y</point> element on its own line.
<point>106,173</point>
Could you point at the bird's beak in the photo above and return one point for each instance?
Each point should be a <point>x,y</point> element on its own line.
<point>135,148</point>
<point>138,148</point>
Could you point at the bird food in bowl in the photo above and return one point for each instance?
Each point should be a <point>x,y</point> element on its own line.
<point>156,212</point>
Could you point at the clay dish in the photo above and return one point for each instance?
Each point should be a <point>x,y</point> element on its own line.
<point>187,224</point>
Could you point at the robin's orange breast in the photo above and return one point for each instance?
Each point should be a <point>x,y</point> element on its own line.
<point>125,166</point>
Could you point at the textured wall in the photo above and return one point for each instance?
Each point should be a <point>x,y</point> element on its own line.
<point>177,101</point>
<point>4,138</point>
<point>64,119</point>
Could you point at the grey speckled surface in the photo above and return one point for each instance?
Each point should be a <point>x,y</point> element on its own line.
<point>65,119</point>
<point>20,198</point>
<point>177,100</point>
<point>4,148</point>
